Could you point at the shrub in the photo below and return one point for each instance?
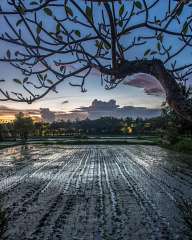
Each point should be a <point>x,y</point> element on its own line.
<point>2,223</point>
<point>186,209</point>
<point>171,135</point>
<point>184,145</point>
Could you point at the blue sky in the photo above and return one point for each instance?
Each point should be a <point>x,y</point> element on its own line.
<point>124,95</point>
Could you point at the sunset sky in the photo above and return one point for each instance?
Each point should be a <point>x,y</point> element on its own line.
<point>123,94</point>
<point>133,94</point>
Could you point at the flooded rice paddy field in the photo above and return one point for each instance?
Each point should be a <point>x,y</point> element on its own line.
<point>96,193</point>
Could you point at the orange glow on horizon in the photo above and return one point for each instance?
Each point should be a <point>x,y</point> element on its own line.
<point>11,118</point>
<point>7,117</point>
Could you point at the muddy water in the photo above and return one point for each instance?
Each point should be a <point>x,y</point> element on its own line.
<point>96,193</point>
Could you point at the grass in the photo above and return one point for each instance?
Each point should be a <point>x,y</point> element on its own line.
<point>86,140</point>
<point>183,145</point>
<point>92,142</point>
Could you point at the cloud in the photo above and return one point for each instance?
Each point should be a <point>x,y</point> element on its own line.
<point>4,111</point>
<point>149,83</point>
<point>65,102</point>
<point>98,105</point>
<point>99,109</point>
<point>73,116</point>
<point>4,108</point>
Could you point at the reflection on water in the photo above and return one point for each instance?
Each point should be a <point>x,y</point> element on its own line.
<point>96,192</point>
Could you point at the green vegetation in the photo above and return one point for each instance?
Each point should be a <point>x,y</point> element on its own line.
<point>2,222</point>
<point>182,145</point>
<point>96,141</point>
<point>167,130</point>
<point>177,132</point>
<point>23,126</point>
<point>105,126</point>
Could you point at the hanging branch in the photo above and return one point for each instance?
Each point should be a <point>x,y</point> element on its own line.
<point>95,35</point>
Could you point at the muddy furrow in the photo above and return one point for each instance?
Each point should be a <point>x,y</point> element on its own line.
<point>154,196</point>
<point>55,211</point>
<point>15,160</point>
<point>25,173</point>
<point>23,214</point>
<point>74,226</point>
<point>95,193</point>
<point>117,226</point>
<point>174,187</point>
<point>173,168</point>
<point>32,188</point>
<point>145,204</point>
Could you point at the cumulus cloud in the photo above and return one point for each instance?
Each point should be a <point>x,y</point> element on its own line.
<point>149,83</point>
<point>98,105</point>
<point>100,109</point>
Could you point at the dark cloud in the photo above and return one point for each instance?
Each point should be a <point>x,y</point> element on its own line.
<point>65,102</point>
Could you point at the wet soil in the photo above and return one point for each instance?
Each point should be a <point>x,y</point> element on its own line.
<point>96,192</point>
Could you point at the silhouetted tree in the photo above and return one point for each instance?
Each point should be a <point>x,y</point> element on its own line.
<point>1,132</point>
<point>112,38</point>
<point>23,126</point>
<point>38,127</point>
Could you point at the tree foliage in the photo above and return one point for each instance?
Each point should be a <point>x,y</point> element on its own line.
<point>23,126</point>
<point>51,41</point>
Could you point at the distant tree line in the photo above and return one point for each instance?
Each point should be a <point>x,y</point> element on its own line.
<point>22,128</point>
<point>169,125</point>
